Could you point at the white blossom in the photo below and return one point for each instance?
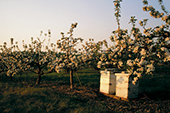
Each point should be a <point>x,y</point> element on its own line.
<point>143,52</point>
<point>130,62</point>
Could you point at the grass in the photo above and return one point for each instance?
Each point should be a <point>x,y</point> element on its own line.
<point>54,95</point>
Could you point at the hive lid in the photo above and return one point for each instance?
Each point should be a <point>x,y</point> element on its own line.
<point>123,74</point>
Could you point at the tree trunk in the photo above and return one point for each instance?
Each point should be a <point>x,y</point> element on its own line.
<point>39,75</point>
<point>38,79</point>
<point>71,79</point>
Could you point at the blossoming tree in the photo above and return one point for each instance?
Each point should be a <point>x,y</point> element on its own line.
<point>39,57</point>
<point>138,52</point>
<point>92,51</point>
<point>36,57</point>
<point>11,60</point>
<point>70,58</point>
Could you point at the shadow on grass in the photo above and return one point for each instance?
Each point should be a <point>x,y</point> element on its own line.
<point>155,87</point>
<point>156,95</point>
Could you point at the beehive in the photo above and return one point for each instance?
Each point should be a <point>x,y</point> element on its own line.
<point>124,86</point>
<point>107,82</point>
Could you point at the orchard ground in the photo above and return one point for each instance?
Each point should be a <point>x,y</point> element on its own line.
<point>54,94</point>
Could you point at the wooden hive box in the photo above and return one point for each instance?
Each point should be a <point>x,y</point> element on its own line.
<point>107,82</point>
<point>124,86</point>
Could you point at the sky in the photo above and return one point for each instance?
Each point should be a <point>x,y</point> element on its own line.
<point>23,19</point>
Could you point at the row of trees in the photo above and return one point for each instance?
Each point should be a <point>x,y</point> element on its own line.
<point>135,52</point>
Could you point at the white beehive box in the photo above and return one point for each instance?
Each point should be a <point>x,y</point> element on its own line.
<point>107,82</point>
<point>124,86</point>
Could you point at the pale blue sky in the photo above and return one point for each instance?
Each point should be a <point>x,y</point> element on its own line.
<point>22,19</point>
